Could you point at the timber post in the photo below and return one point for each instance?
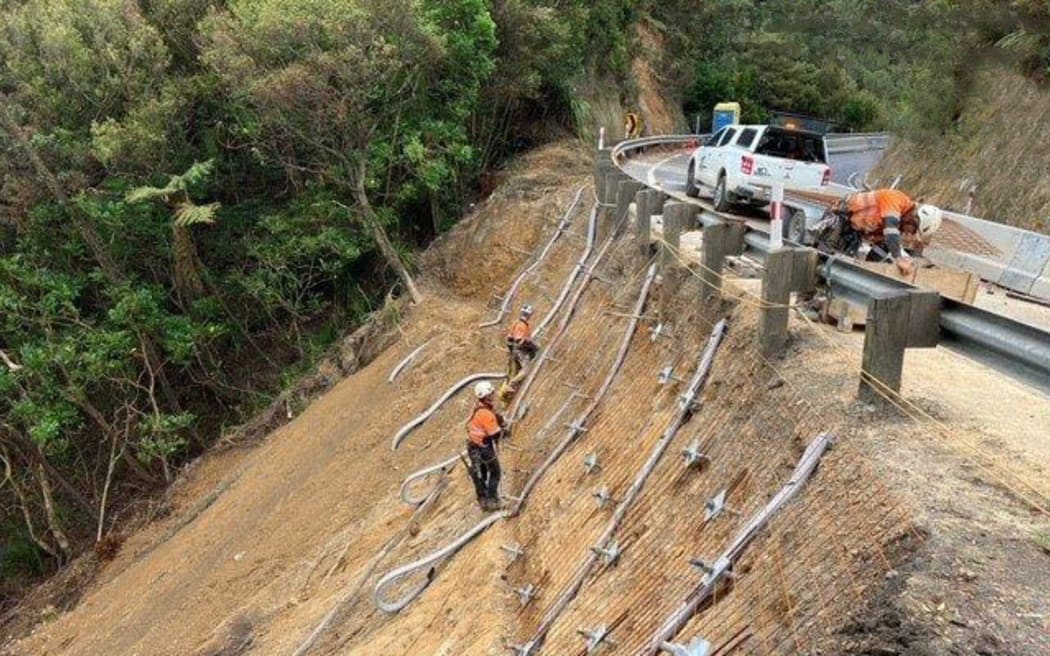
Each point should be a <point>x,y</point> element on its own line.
<point>719,240</point>
<point>603,164</point>
<point>626,190</point>
<point>897,321</point>
<point>674,216</point>
<point>787,270</point>
<point>642,222</point>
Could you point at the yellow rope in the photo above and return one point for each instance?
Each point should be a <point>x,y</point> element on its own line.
<point>998,472</point>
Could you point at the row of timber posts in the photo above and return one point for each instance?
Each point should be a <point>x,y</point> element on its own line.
<point>897,320</point>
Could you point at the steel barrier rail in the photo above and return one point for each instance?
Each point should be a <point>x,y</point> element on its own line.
<point>853,143</point>
<point>1015,348</point>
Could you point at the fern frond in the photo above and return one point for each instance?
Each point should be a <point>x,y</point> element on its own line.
<point>147,193</point>
<point>189,214</point>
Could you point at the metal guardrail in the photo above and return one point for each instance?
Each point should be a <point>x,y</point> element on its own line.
<point>852,143</point>
<point>836,143</point>
<point>1017,348</point>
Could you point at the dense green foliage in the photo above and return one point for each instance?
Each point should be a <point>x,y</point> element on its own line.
<point>181,209</point>
<point>870,64</point>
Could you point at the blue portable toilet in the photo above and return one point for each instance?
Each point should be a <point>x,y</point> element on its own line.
<point>726,113</point>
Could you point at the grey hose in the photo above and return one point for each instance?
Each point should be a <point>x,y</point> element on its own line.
<point>509,296</point>
<point>439,469</point>
<point>403,432</point>
<point>428,563</point>
<point>404,363</point>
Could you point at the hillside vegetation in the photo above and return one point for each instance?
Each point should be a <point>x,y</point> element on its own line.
<point>998,150</point>
<point>193,201</point>
<point>198,197</point>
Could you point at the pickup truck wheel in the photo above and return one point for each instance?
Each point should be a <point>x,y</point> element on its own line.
<point>691,189</point>
<point>722,201</point>
<point>794,228</point>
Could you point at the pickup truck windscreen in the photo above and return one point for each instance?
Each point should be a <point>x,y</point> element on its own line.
<point>792,144</point>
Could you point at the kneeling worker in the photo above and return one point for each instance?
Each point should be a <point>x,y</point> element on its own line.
<point>881,216</point>
<point>520,351</point>
<point>485,427</point>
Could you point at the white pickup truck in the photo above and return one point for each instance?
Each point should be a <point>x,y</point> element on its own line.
<point>741,163</point>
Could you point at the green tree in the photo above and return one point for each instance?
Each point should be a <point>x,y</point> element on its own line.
<point>189,282</point>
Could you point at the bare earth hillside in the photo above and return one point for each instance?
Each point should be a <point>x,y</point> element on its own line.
<point>919,533</point>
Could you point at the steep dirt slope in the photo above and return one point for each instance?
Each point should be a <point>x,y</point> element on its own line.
<point>325,484</point>
<point>1001,146</point>
<point>903,541</point>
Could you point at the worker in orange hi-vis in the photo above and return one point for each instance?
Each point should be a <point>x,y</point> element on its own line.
<point>484,429</point>
<point>883,216</point>
<point>520,352</point>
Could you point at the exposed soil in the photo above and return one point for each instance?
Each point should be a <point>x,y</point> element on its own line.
<point>261,544</point>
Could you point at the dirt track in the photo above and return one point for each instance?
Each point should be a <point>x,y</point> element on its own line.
<point>300,518</point>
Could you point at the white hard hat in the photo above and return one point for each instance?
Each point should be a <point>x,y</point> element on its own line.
<point>526,310</point>
<point>483,389</point>
<point>929,220</point>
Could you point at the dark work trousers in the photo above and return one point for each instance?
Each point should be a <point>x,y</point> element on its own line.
<point>484,469</point>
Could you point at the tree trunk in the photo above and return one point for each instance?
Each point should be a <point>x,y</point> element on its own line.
<point>188,282</point>
<point>379,235</point>
<point>49,511</point>
<point>24,504</point>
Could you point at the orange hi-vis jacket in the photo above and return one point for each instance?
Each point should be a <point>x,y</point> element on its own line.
<point>483,424</point>
<point>519,332</point>
<point>869,210</point>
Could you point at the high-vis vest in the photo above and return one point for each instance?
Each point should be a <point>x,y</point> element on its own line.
<point>868,209</point>
<point>519,331</point>
<point>483,424</point>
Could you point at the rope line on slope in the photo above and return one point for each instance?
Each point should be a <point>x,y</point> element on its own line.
<point>997,472</point>
<point>509,296</point>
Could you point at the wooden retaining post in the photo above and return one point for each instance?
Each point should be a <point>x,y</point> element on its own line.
<point>643,222</point>
<point>720,239</point>
<point>626,190</point>
<point>603,165</point>
<point>897,320</point>
<point>787,270</point>
<point>674,216</point>
<point>607,198</point>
